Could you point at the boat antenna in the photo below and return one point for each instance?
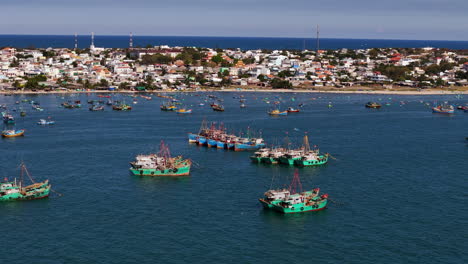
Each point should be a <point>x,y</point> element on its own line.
<point>296,182</point>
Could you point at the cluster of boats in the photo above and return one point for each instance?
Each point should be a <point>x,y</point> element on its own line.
<point>277,112</point>
<point>301,157</point>
<point>171,106</point>
<point>217,137</point>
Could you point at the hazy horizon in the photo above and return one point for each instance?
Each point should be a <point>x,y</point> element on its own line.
<point>359,19</point>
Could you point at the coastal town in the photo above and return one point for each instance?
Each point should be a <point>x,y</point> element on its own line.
<point>191,68</point>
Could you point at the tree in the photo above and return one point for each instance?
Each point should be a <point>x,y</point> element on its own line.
<point>103,83</point>
<point>261,77</point>
<point>278,83</point>
<point>16,84</point>
<point>124,86</point>
<point>217,59</point>
<point>14,63</point>
<point>75,64</point>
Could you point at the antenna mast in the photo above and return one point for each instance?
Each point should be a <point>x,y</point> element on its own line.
<point>318,38</point>
<point>76,41</point>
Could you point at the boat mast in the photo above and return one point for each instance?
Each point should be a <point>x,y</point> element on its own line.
<point>305,143</point>
<point>164,152</point>
<point>296,182</point>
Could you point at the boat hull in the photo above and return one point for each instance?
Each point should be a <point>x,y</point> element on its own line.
<point>192,138</point>
<point>212,143</point>
<point>181,171</point>
<point>221,145</point>
<point>447,112</point>
<point>304,163</point>
<point>286,161</point>
<point>19,134</point>
<point>247,147</point>
<point>202,141</point>
<point>38,193</point>
<point>297,208</point>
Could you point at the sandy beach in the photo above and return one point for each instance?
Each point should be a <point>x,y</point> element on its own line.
<point>355,90</point>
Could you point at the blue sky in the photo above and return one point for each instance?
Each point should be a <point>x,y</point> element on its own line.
<point>397,19</point>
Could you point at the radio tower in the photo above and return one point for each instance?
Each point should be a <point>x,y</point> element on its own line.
<point>130,45</point>
<point>318,38</point>
<point>76,41</point>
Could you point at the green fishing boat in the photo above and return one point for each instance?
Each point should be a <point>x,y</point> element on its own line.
<point>311,159</point>
<point>17,191</point>
<point>290,157</point>
<point>161,164</point>
<point>287,201</point>
<point>274,156</point>
<point>258,155</point>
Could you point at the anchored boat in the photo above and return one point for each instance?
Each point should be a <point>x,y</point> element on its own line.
<point>13,133</point>
<point>96,108</point>
<point>292,110</point>
<point>184,111</point>
<point>277,112</point>
<point>161,164</point>
<point>373,105</point>
<point>259,155</point>
<point>17,191</point>
<point>122,107</point>
<point>443,109</point>
<point>45,122</point>
<point>288,201</point>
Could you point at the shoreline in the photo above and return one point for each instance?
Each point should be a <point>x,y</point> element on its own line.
<point>249,90</point>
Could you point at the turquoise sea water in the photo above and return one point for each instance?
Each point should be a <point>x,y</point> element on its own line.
<point>399,183</point>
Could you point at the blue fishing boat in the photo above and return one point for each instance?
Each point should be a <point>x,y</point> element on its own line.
<point>221,144</point>
<point>202,140</point>
<point>193,138</point>
<point>212,143</point>
<point>249,144</point>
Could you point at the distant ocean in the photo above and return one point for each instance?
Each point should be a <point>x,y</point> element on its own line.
<point>245,43</point>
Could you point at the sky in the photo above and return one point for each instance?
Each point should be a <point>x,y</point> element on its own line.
<point>395,19</point>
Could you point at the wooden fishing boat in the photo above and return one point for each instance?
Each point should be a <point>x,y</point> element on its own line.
<point>218,108</point>
<point>373,105</point>
<point>289,201</point>
<point>96,108</point>
<point>184,111</point>
<point>168,107</point>
<point>122,107</point>
<point>160,164</point>
<point>277,112</point>
<point>17,191</point>
<point>292,110</point>
<point>443,109</point>
<point>258,155</point>
<point>13,133</point>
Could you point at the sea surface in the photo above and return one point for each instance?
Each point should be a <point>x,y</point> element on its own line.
<point>397,184</point>
<point>244,43</point>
